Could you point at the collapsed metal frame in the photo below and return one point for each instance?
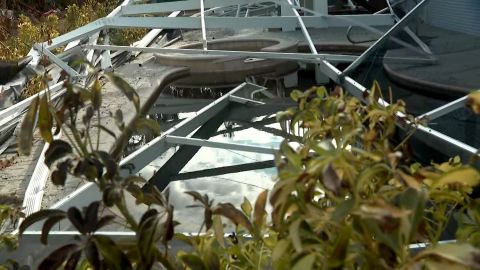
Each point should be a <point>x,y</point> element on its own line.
<point>122,18</point>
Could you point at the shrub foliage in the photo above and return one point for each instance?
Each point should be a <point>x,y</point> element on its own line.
<point>347,196</point>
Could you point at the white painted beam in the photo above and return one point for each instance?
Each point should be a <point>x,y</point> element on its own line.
<point>307,57</point>
<point>244,22</point>
<point>179,5</point>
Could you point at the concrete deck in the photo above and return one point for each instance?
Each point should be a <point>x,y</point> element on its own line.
<point>457,70</point>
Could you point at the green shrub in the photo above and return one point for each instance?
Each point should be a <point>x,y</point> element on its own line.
<point>346,197</point>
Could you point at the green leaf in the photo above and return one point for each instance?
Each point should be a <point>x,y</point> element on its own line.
<point>473,101</point>
<point>212,260</point>
<point>293,158</point>
<point>331,180</point>
<point>111,196</point>
<point>233,214</point>
<point>114,258</point>
<point>197,197</point>
<point>56,150</point>
<point>375,92</point>
<point>148,125</point>
<point>109,163</point>
<point>218,230</point>
<point>96,91</point>
<point>413,200</point>
<point>294,233</point>
<point>467,176</point>
<point>73,260</point>
<point>246,207</point>
<point>342,210</point>
<point>207,215</point>
<point>45,120</point>
<point>59,176</point>
<point>91,216</point>
<point>295,95</point>
<point>126,88</point>
<point>75,217</point>
<point>91,253</point>
<point>149,233</point>
<point>280,250</point>
<point>47,226</point>
<point>193,262</point>
<point>458,253</point>
<point>119,119</point>
<point>57,257</point>
<point>37,216</point>
<point>106,130</point>
<point>305,263</point>
<point>89,113</point>
<point>169,225</point>
<point>339,252</point>
<point>409,180</point>
<point>260,213</point>
<point>104,221</point>
<point>26,129</point>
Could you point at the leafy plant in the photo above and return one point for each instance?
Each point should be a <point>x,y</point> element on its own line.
<point>18,41</point>
<point>347,194</point>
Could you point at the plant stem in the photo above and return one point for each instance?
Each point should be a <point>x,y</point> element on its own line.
<point>167,78</point>
<point>99,130</point>
<point>126,214</point>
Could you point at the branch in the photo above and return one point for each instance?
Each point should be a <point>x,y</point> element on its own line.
<point>166,79</point>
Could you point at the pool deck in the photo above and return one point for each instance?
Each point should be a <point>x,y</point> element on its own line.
<point>456,72</point>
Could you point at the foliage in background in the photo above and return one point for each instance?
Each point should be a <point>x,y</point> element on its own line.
<point>126,37</point>
<point>33,86</point>
<point>18,44</point>
<point>16,40</point>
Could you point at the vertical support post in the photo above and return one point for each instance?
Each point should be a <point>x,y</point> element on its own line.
<point>106,60</point>
<point>320,78</point>
<point>204,31</point>
<point>238,11</point>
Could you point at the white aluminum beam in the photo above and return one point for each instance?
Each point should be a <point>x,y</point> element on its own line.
<point>242,100</point>
<point>310,43</point>
<point>70,71</point>
<point>415,38</point>
<point>203,26</point>
<point>176,140</point>
<point>445,109</point>
<point>151,36</point>
<point>180,5</point>
<point>81,32</point>
<point>32,200</point>
<point>242,22</point>
<point>218,22</point>
<point>16,110</point>
<point>307,57</point>
<point>106,61</point>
